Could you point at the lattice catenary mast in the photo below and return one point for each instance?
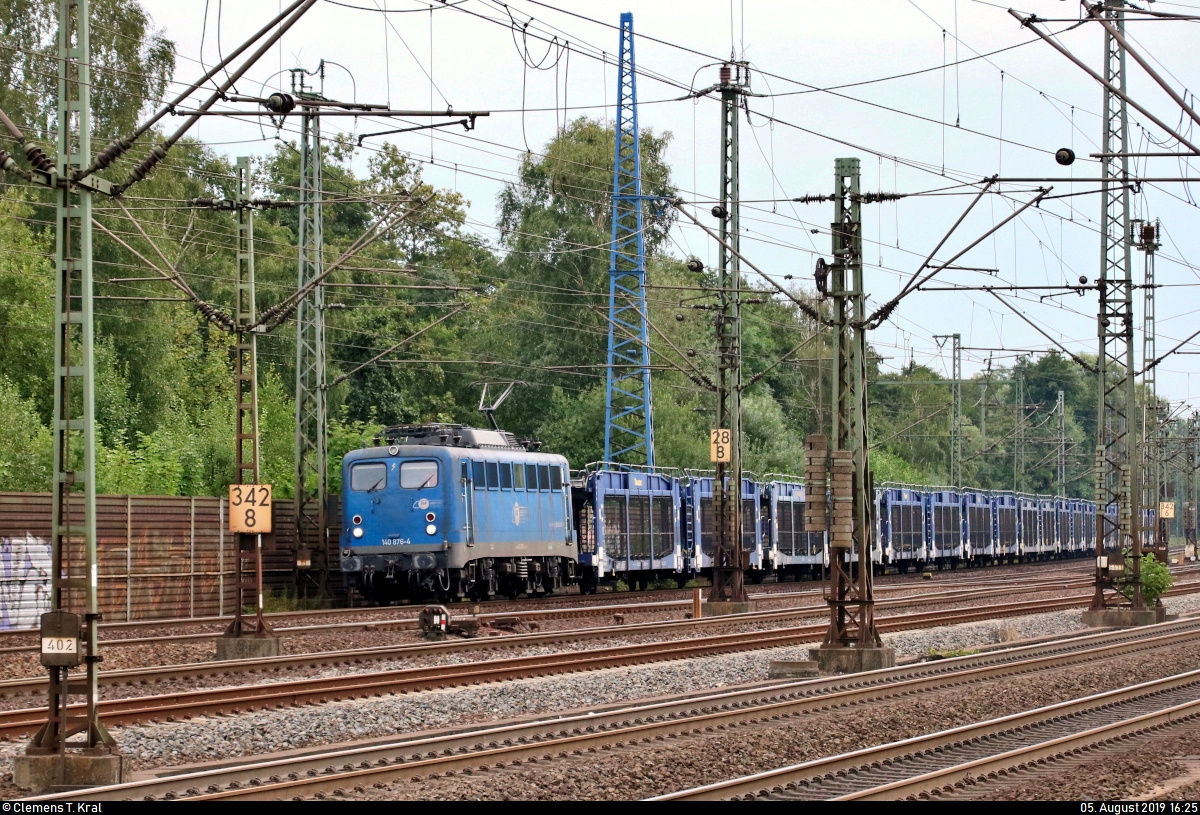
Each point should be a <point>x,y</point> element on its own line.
<point>311,417</point>
<point>1114,443</point>
<point>628,419</point>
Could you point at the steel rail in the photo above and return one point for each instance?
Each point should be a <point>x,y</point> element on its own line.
<point>860,763</point>
<point>903,583</point>
<point>247,698</point>
<point>351,656</point>
<point>534,615</point>
<point>979,770</point>
<point>456,749</point>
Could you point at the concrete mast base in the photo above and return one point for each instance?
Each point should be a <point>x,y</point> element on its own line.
<point>63,772</point>
<point>248,647</point>
<point>839,660</point>
<point>711,608</point>
<point>1123,617</point>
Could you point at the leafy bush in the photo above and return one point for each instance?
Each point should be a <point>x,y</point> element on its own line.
<point>1156,579</point>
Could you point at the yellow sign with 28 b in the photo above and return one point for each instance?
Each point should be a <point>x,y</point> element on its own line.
<point>250,508</point>
<point>719,448</point>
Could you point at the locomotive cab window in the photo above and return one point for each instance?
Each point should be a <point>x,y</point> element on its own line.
<point>543,477</point>
<point>479,473</point>
<point>493,475</point>
<point>368,477</point>
<point>531,479</point>
<point>556,479</point>
<point>506,481</point>
<point>519,476</point>
<point>418,475</point>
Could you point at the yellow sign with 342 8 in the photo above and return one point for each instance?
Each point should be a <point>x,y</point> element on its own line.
<point>250,508</point>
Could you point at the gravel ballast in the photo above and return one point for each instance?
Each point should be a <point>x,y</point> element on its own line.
<point>248,734</point>
<point>648,770</point>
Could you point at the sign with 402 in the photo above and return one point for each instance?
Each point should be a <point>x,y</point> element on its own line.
<point>250,508</point>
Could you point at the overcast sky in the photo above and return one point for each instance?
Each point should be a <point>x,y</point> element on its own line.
<point>1002,114</point>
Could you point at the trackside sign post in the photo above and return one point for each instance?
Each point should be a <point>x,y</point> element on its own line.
<point>719,450</point>
<point>250,508</point>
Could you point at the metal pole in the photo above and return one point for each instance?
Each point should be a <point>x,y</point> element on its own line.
<point>851,599</point>
<point>73,523</point>
<point>1116,393</point>
<point>628,420</point>
<point>729,560</point>
<point>1019,445</point>
<point>248,565</point>
<point>1061,487</point>
<point>1192,464</point>
<point>311,417</point>
<point>956,430</point>
<point>1147,495</point>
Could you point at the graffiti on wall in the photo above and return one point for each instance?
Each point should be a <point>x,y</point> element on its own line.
<point>24,581</point>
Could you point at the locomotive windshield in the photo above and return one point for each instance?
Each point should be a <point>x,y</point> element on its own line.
<point>368,477</point>
<point>417,475</point>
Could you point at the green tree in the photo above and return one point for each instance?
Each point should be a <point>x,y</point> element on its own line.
<point>25,443</point>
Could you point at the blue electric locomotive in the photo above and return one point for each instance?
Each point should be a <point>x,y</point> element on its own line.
<point>451,511</point>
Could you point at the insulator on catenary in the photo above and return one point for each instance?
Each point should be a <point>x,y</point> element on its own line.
<point>116,148</point>
<point>8,163</point>
<point>36,157</point>
<point>211,312</point>
<point>157,153</point>
<point>280,103</point>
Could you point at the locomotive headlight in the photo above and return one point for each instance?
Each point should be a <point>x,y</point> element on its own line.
<point>358,533</point>
<point>431,530</point>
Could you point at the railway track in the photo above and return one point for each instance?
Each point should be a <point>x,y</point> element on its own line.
<point>409,623</point>
<point>975,753</point>
<point>360,656</point>
<point>320,771</point>
<point>575,604</point>
<point>281,694</point>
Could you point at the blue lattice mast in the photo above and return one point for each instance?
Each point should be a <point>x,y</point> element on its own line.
<point>628,424</point>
